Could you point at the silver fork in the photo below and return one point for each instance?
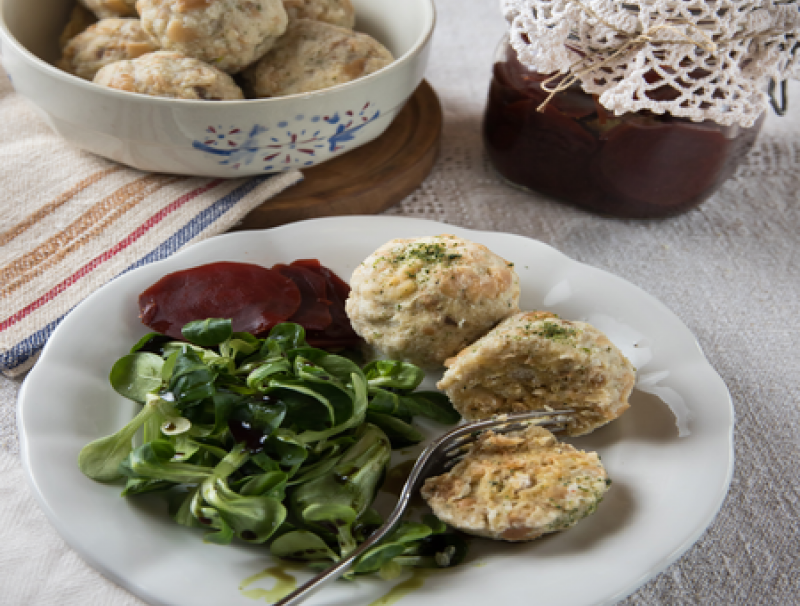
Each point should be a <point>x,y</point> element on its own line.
<point>438,457</point>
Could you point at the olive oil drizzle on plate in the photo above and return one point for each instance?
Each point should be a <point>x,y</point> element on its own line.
<point>401,590</point>
<point>284,584</point>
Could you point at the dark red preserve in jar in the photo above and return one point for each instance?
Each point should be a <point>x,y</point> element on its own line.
<point>639,164</point>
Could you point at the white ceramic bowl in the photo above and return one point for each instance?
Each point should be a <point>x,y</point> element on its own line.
<point>216,138</point>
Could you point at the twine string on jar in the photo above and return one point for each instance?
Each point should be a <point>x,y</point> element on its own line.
<point>780,107</point>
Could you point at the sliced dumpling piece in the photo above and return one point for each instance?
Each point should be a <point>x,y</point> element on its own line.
<point>518,486</point>
<point>537,361</point>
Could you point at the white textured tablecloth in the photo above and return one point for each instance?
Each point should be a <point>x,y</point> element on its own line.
<point>730,270</point>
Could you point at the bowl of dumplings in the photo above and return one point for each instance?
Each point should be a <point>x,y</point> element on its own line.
<point>217,88</point>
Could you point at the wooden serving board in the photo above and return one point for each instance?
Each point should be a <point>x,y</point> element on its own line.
<point>367,180</point>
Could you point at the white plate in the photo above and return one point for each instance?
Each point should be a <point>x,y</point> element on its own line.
<point>666,488</point>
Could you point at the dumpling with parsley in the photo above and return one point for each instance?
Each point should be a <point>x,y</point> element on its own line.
<point>423,300</point>
<point>538,361</point>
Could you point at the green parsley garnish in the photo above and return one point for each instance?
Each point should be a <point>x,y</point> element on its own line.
<point>555,332</point>
<point>428,253</point>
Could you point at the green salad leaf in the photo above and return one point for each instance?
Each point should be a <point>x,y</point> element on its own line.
<point>208,333</point>
<point>136,375</point>
<point>271,441</point>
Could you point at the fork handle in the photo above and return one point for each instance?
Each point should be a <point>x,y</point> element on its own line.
<point>343,565</point>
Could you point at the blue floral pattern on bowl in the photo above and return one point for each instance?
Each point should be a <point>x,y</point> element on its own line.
<point>287,145</point>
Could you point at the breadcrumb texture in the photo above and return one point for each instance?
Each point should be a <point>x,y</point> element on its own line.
<point>104,9</point>
<point>228,34</point>
<point>313,55</point>
<point>335,12</point>
<point>424,299</point>
<point>104,43</point>
<point>518,486</point>
<point>537,361</point>
<point>169,74</point>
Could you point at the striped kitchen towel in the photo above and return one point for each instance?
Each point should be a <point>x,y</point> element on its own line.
<point>71,221</point>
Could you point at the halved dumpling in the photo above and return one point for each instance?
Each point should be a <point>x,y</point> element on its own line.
<point>537,361</point>
<point>518,486</point>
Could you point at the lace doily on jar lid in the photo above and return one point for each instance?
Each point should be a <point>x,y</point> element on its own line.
<point>698,59</point>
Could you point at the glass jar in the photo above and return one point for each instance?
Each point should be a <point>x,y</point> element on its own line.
<point>638,164</point>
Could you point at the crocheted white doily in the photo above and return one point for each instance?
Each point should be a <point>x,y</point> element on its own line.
<point>699,59</point>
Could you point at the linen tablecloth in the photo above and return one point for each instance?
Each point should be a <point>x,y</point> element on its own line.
<point>730,270</point>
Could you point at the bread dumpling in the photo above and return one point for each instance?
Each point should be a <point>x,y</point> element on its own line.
<point>423,300</point>
<point>168,74</point>
<point>104,43</point>
<point>227,34</point>
<point>312,56</point>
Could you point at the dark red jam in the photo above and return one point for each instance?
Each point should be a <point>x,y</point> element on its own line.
<point>634,165</point>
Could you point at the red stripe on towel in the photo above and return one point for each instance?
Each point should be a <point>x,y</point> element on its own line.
<point>110,253</point>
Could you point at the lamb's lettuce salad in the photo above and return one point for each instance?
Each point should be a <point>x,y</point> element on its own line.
<point>272,441</point>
